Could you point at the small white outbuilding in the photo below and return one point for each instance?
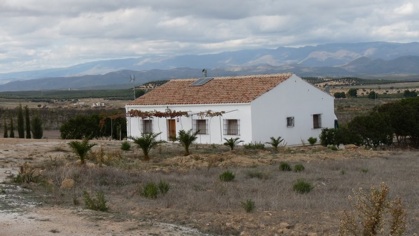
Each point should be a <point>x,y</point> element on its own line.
<point>252,108</point>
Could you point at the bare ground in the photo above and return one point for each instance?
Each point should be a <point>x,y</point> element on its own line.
<point>198,203</point>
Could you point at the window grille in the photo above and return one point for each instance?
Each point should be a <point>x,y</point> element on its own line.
<point>231,127</point>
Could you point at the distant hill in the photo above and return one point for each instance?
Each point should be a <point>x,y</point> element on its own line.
<point>356,59</point>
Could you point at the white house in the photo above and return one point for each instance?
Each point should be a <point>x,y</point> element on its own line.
<point>252,108</point>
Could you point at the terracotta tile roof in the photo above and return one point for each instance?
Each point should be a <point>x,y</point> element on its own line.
<point>239,89</point>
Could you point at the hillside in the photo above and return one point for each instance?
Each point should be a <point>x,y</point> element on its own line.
<point>334,60</point>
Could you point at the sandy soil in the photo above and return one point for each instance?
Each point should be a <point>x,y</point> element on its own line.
<point>20,216</point>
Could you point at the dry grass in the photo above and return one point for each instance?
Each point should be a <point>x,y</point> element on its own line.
<point>198,198</point>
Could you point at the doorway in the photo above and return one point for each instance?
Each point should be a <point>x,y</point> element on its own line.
<point>171,129</point>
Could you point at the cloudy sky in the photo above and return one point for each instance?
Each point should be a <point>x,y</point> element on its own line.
<point>38,34</point>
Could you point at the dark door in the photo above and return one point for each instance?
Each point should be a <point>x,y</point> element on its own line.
<point>171,129</point>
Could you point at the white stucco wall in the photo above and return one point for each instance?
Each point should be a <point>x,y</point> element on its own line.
<point>292,98</point>
<point>215,124</point>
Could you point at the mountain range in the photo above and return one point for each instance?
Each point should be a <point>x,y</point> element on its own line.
<point>336,60</point>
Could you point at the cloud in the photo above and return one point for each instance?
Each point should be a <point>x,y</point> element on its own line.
<point>37,34</point>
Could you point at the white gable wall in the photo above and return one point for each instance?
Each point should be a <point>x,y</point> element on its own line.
<point>292,98</point>
<point>215,124</point>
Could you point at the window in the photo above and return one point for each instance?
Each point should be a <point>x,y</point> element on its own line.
<point>201,126</point>
<point>231,127</point>
<point>147,126</point>
<point>317,121</point>
<point>290,121</point>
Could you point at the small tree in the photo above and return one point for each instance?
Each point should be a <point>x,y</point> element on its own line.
<point>232,142</point>
<point>28,123</point>
<point>339,95</point>
<point>275,142</point>
<point>186,139</point>
<point>373,95</point>
<point>81,149</point>
<point>20,122</point>
<point>37,130</point>
<point>353,92</point>
<point>5,134</point>
<point>12,129</point>
<point>146,142</point>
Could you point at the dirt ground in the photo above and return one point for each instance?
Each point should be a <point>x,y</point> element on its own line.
<point>20,215</point>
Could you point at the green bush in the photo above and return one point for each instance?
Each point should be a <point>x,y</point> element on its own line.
<point>96,204</point>
<point>284,166</point>
<point>255,145</point>
<point>301,186</point>
<point>275,142</point>
<point>150,190</point>
<point>163,187</point>
<point>248,205</point>
<point>125,146</point>
<point>232,142</point>
<point>299,168</point>
<point>227,176</point>
<point>312,140</point>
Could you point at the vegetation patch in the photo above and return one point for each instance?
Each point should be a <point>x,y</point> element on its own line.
<point>227,176</point>
<point>284,166</point>
<point>302,186</point>
<point>97,203</point>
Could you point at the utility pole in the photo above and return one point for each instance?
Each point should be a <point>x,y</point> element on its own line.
<point>132,80</point>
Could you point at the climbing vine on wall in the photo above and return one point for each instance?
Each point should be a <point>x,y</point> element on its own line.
<point>171,114</point>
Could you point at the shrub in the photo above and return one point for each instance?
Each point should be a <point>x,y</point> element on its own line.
<point>81,148</point>
<point>125,146</point>
<point>81,126</point>
<point>301,186</point>
<point>275,142</point>
<point>284,166</point>
<point>227,176</point>
<point>96,204</point>
<point>374,214</point>
<point>327,137</point>
<point>312,140</point>
<point>163,187</point>
<point>232,142</point>
<point>146,142</point>
<point>27,175</point>
<point>255,145</point>
<point>299,168</point>
<point>150,190</point>
<point>248,205</point>
<point>186,139</point>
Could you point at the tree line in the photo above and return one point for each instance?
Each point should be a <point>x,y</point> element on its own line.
<point>26,126</point>
<point>392,123</point>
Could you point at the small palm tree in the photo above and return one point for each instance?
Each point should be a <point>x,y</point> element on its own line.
<point>146,142</point>
<point>186,139</point>
<point>81,148</point>
<point>232,142</point>
<point>275,142</point>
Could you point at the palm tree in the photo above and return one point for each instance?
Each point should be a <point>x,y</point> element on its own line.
<point>146,142</point>
<point>81,148</point>
<point>186,139</point>
<point>275,142</point>
<point>232,142</point>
